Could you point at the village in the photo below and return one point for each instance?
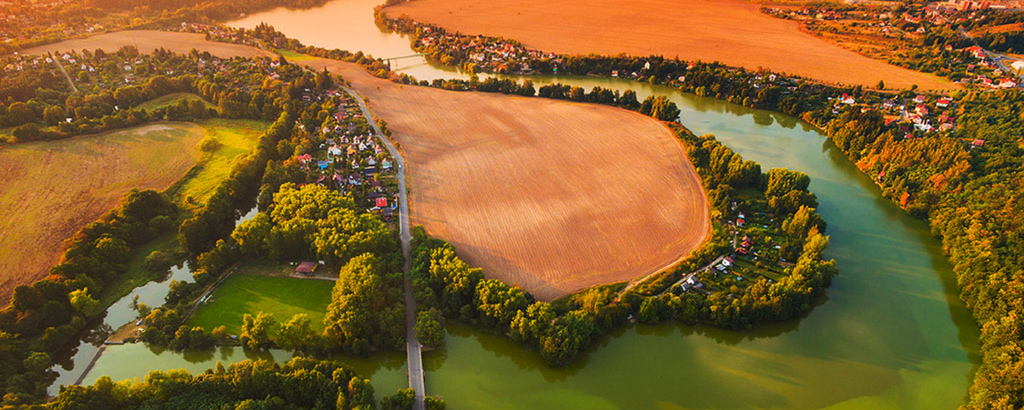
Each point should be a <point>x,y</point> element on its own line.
<point>757,251</point>
<point>348,158</point>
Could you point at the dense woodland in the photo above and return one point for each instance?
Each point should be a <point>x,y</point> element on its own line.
<point>972,200</point>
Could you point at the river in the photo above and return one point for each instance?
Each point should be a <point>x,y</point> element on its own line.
<point>891,334</point>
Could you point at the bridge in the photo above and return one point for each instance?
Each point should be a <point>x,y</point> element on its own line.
<point>389,60</point>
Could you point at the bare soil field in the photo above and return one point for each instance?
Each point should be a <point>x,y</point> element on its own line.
<point>548,195</point>
<point>50,190</point>
<point>147,41</point>
<point>731,31</point>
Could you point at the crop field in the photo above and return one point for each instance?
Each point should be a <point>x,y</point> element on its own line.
<point>147,41</point>
<point>730,31</point>
<point>50,190</point>
<point>250,293</point>
<point>548,195</point>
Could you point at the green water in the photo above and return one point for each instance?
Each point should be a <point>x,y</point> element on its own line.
<point>891,334</point>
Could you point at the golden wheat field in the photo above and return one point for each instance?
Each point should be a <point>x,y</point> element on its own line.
<point>731,31</point>
<point>548,195</point>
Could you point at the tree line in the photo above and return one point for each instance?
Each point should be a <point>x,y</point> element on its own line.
<point>446,288</point>
<point>299,383</point>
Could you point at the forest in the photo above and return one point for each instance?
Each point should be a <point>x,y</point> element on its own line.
<point>971,197</point>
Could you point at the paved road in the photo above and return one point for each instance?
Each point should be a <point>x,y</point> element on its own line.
<point>415,355</point>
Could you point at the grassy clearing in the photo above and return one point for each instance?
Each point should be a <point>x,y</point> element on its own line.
<point>283,297</point>
<point>171,99</point>
<point>293,56</point>
<point>237,138</point>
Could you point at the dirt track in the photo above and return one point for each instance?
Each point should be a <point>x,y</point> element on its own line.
<point>549,195</point>
<point>50,190</point>
<point>730,31</point>
<point>147,41</point>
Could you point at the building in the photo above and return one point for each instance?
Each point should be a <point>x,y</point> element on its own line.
<point>306,268</point>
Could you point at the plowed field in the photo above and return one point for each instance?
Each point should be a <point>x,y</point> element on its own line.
<point>548,195</point>
<point>730,31</point>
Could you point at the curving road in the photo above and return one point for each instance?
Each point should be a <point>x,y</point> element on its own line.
<point>415,355</point>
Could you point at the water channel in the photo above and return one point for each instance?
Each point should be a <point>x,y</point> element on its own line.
<point>892,333</point>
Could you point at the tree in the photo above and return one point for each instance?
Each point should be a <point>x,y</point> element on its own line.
<point>781,181</point>
<point>628,100</point>
<point>430,327</point>
<point>54,114</point>
<point>83,303</point>
<point>19,113</point>
<point>255,333</point>
<point>296,334</point>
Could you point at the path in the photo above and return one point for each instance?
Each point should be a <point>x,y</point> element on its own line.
<point>413,347</point>
<point>691,274</point>
<point>56,60</point>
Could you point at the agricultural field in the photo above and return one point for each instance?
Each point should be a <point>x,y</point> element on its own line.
<point>255,292</point>
<point>730,31</point>
<point>548,195</point>
<point>52,189</point>
<point>147,41</point>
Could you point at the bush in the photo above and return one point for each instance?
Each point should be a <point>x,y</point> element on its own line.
<point>157,261</point>
<point>209,144</point>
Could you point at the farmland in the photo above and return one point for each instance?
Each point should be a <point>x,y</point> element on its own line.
<point>551,196</point>
<point>253,293</point>
<point>730,31</point>
<point>53,189</point>
<point>548,195</point>
<point>147,41</point>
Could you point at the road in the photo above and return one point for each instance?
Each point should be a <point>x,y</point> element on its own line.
<point>995,57</point>
<point>413,347</point>
<point>691,274</point>
<point>56,60</point>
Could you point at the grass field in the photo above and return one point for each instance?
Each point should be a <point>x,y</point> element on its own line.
<point>548,195</point>
<point>248,293</point>
<point>171,99</point>
<point>52,189</point>
<point>237,138</point>
<point>147,41</point>
<point>730,31</point>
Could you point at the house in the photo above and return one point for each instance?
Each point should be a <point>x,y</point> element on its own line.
<point>847,99</point>
<point>304,158</point>
<point>323,164</point>
<point>977,143</point>
<point>334,151</point>
<point>1007,83</point>
<point>728,261</point>
<point>920,99</point>
<point>306,268</point>
<point>943,102</point>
